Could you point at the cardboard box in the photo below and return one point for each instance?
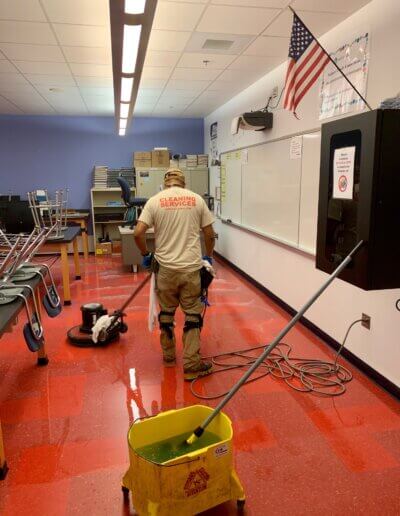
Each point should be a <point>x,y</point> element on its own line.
<point>142,159</point>
<point>160,159</point>
<point>116,246</point>
<point>104,248</point>
<point>143,163</point>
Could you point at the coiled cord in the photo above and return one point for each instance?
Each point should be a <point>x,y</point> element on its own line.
<point>321,377</point>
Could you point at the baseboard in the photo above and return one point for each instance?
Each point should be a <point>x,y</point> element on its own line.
<point>374,375</point>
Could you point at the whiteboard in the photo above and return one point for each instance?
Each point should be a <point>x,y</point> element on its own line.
<point>274,192</point>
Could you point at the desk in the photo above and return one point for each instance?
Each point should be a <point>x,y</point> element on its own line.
<point>81,218</point>
<point>8,314</point>
<point>61,246</point>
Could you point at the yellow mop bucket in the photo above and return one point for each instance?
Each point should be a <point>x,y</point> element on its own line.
<point>191,482</point>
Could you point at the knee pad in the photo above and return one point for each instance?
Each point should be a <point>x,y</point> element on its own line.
<point>190,325</point>
<point>166,321</point>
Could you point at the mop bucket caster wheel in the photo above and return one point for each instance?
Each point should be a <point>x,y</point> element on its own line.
<point>240,504</point>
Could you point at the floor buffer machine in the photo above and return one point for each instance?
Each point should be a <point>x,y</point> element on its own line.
<point>113,324</point>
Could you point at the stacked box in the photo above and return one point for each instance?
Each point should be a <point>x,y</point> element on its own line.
<point>160,159</point>
<point>191,160</point>
<point>142,159</point>
<point>202,160</point>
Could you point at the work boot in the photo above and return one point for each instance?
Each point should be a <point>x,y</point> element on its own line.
<point>203,368</point>
<point>169,361</point>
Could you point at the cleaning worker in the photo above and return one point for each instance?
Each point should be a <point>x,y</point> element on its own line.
<point>178,215</point>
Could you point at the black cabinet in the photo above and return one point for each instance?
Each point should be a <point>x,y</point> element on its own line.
<point>359,198</point>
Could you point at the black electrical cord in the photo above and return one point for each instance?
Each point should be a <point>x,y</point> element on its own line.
<point>277,103</point>
<point>321,377</point>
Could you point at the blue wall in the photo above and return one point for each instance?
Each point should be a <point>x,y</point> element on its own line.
<point>56,152</point>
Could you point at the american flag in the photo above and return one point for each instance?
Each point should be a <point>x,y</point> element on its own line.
<point>306,62</point>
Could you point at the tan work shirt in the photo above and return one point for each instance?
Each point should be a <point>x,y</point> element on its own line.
<point>177,216</point>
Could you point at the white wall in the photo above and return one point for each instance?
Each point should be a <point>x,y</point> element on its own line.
<point>292,275</point>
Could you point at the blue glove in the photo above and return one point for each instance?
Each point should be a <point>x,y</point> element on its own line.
<point>208,258</point>
<point>146,262</point>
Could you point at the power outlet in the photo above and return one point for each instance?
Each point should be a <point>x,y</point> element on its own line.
<point>366,321</point>
<point>274,92</point>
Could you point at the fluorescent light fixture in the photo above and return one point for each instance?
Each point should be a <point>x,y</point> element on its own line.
<point>122,132</point>
<point>122,123</point>
<point>135,6</point>
<point>130,47</point>
<point>124,110</point>
<point>126,89</point>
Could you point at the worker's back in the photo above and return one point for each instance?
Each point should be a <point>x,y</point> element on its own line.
<point>177,215</point>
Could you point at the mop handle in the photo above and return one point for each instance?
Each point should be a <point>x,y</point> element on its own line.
<point>276,341</point>
<point>130,298</point>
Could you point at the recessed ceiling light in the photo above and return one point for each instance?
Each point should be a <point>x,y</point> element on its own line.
<point>130,47</point>
<point>135,6</point>
<point>126,89</point>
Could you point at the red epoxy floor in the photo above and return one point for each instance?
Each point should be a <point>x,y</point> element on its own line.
<point>65,424</point>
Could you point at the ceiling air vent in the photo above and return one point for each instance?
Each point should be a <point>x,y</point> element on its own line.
<point>214,43</point>
<point>217,44</point>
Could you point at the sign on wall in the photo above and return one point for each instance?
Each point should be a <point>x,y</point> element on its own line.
<point>336,95</point>
<point>214,143</point>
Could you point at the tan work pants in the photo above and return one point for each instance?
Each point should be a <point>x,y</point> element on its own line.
<point>182,288</point>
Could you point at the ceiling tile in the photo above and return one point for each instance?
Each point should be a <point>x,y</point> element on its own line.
<point>21,88</point>
<point>223,85</point>
<point>26,32</point>
<point>156,72</point>
<point>84,12</point>
<point>152,83</point>
<point>330,6</point>
<point>31,100</point>
<point>51,80</point>
<point>236,20</point>
<point>239,77</point>
<point>82,35</point>
<point>281,26</point>
<point>99,102</point>
<point>91,70</point>
<point>160,58</point>
<point>261,64</point>
<point>279,4</point>
<point>143,110</point>
<point>96,82</point>
<point>44,68</point>
<point>7,67</point>
<point>28,10</point>
<point>180,93</point>
<point>92,55</point>
<point>92,92</point>
<point>195,74</point>
<point>215,61</point>
<point>177,16</point>
<point>269,46</point>
<point>148,95</point>
<point>168,40</point>
<point>319,23</point>
<point>187,85</point>
<point>12,78</point>
<point>67,100</point>
<point>6,108</point>
<point>24,52</point>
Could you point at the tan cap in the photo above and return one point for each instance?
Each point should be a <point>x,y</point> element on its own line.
<point>174,177</point>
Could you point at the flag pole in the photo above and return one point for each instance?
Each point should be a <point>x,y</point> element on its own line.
<point>332,61</point>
